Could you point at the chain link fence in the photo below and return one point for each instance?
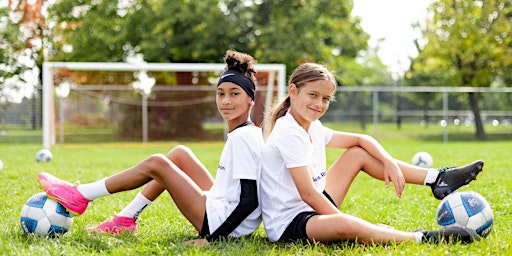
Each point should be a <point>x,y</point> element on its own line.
<point>92,115</point>
<point>21,122</point>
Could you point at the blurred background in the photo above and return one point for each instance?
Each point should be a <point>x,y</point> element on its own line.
<point>431,67</point>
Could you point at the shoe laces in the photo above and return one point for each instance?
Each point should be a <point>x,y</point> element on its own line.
<point>446,168</point>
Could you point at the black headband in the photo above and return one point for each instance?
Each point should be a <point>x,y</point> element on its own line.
<point>238,78</point>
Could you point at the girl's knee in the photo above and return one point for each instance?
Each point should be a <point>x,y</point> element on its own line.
<point>178,152</point>
<point>356,153</point>
<point>154,162</point>
<point>339,227</point>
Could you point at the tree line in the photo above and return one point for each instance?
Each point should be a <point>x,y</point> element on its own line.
<point>466,43</point>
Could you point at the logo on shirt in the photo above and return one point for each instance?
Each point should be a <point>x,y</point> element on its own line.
<point>222,168</point>
<point>319,177</point>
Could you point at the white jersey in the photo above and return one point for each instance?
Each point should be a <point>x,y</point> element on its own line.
<point>240,159</point>
<point>289,146</point>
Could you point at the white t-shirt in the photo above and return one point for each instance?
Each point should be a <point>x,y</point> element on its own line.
<point>240,159</point>
<point>289,146</point>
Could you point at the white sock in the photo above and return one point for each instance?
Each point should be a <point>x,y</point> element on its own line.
<point>431,176</point>
<point>94,190</point>
<point>135,207</point>
<point>419,236</point>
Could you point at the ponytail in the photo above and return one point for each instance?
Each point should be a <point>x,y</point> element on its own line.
<point>303,74</point>
<point>278,111</point>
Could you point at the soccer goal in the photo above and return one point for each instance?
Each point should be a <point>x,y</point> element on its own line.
<point>99,102</point>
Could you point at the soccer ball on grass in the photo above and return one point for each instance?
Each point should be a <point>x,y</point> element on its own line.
<point>44,155</point>
<point>422,159</point>
<point>466,209</point>
<point>43,216</point>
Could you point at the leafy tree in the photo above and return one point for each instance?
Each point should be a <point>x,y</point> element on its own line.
<point>289,32</point>
<point>468,45</point>
<point>10,44</point>
<point>292,32</point>
<point>163,31</point>
<point>19,48</point>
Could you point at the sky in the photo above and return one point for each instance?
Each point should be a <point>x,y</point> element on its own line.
<point>390,21</point>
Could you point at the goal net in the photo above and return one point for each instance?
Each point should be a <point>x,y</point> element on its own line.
<point>103,102</point>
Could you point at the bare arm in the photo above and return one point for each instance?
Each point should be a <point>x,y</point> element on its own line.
<point>309,194</point>
<point>392,172</point>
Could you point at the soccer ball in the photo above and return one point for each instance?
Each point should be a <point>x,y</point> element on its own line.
<point>44,155</point>
<point>466,209</point>
<point>1,165</point>
<point>43,216</point>
<point>422,159</point>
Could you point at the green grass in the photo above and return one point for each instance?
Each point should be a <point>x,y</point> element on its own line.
<point>162,228</point>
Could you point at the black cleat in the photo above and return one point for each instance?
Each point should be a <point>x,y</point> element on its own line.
<point>452,178</point>
<point>449,235</point>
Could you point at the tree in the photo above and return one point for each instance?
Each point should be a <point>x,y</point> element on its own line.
<point>10,45</point>
<point>273,31</point>
<point>292,32</point>
<point>468,45</point>
<point>23,42</point>
<point>289,32</point>
<point>20,45</point>
<point>163,31</point>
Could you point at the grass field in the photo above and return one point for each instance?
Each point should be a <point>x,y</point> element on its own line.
<point>162,228</point>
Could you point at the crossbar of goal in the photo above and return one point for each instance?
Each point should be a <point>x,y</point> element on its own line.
<point>276,72</point>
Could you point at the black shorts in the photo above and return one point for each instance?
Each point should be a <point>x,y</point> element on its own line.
<point>296,230</point>
<point>205,229</point>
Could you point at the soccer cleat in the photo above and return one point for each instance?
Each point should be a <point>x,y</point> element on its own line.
<point>452,178</point>
<point>63,192</point>
<point>449,235</point>
<point>118,225</point>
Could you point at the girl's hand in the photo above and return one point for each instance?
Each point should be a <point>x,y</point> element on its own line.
<point>392,173</point>
<point>197,242</point>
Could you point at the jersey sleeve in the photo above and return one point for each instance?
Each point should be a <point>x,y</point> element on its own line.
<point>294,148</point>
<point>246,156</point>
<point>328,133</point>
<point>248,203</point>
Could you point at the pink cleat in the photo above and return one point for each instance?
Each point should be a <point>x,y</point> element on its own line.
<point>63,192</point>
<point>118,225</point>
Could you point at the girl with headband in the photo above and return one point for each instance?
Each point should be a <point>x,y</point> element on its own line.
<point>225,207</point>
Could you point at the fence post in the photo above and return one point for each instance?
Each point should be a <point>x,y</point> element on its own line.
<point>445,116</point>
<point>376,114</point>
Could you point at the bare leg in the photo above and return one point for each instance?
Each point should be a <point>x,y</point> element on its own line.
<point>185,159</point>
<point>187,195</point>
<point>336,227</point>
<point>342,173</point>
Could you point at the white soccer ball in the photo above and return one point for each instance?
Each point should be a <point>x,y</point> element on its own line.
<point>44,155</point>
<point>466,209</point>
<point>422,159</point>
<point>43,216</point>
<point>1,165</point>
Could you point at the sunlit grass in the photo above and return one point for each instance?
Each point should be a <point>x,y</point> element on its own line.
<point>162,228</point>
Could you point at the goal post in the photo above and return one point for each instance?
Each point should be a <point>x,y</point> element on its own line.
<point>55,72</point>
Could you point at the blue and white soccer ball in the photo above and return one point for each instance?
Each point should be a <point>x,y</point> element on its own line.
<point>44,155</point>
<point>466,209</point>
<point>422,159</point>
<point>43,216</point>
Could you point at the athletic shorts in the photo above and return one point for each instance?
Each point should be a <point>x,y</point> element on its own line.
<point>296,230</point>
<point>205,229</point>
